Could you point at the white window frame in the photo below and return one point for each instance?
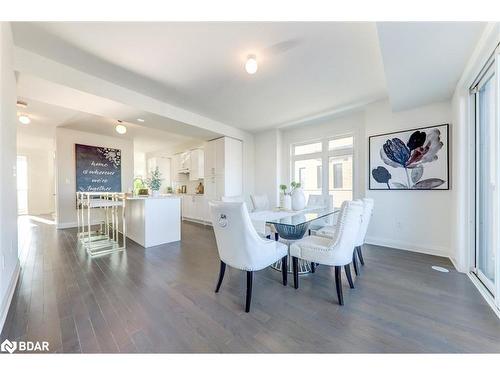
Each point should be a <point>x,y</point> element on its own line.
<point>493,61</point>
<point>325,155</point>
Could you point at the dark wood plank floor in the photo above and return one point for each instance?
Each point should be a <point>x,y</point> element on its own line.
<point>162,300</point>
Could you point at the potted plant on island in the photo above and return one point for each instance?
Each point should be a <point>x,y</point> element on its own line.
<point>154,183</point>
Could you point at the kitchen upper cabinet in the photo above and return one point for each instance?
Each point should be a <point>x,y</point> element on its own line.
<point>197,170</point>
<point>210,159</point>
<point>176,165</point>
<point>185,160</point>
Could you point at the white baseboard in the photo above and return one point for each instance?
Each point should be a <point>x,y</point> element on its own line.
<point>424,249</point>
<point>8,298</point>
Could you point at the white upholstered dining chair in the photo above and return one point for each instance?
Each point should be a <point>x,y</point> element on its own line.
<point>260,202</point>
<point>329,231</point>
<point>263,229</point>
<point>336,251</point>
<point>240,246</point>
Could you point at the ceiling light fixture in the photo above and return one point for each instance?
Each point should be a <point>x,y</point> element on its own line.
<point>141,120</point>
<point>22,104</point>
<point>24,119</point>
<point>120,129</point>
<point>251,65</point>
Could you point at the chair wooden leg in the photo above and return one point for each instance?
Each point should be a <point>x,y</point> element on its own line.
<point>309,232</point>
<point>276,236</point>
<point>221,275</point>
<point>338,284</point>
<point>355,264</point>
<point>249,290</point>
<point>347,269</point>
<point>295,269</point>
<point>360,255</point>
<point>284,269</point>
<point>313,267</point>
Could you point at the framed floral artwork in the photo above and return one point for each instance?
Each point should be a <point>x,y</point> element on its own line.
<point>415,159</point>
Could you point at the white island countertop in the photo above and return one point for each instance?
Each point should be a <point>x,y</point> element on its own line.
<point>165,196</point>
<point>153,221</point>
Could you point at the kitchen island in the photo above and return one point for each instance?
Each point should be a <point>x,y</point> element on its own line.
<point>153,221</point>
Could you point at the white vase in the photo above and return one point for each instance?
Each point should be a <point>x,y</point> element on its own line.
<point>287,202</point>
<point>155,193</point>
<point>298,200</point>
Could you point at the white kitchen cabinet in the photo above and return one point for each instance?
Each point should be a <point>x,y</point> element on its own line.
<point>194,208</point>
<point>210,158</point>
<point>197,162</point>
<point>223,168</point>
<point>185,160</point>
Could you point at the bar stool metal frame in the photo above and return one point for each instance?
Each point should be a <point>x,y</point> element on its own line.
<point>105,239</point>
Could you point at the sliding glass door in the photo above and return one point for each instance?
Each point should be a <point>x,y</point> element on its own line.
<point>486,175</point>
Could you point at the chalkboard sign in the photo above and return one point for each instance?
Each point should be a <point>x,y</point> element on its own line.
<point>98,169</point>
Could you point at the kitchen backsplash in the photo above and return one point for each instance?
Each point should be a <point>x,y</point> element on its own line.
<point>182,179</point>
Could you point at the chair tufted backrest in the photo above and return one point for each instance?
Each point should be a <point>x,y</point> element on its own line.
<point>238,243</point>
<point>260,202</point>
<point>368,204</point>
<point>346,230</point>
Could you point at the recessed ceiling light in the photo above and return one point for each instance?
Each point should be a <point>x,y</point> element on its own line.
<point>251,65</point>
<point>141,120</point>
<point>120,129</point>
<point>24,119</point>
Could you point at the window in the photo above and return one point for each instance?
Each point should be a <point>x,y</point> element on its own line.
<point>306,172</point>
<point>329,160</point>
<point>309,148</point>
<point>302,175</point>
<point>319,176</point>
<point>337,176</point>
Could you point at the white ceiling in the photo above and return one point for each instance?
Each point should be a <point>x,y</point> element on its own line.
<point>46,117</point>
<point>423,61</point>
<point>306,69</point>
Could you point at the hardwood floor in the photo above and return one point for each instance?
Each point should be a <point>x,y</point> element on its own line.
<point>162,300</point>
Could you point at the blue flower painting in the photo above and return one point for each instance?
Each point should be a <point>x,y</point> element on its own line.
<point>410,160</point>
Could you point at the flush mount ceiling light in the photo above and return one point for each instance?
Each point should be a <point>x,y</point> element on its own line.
<point>141,120</point>
<point>21,104</point>
<point>251,65</point>
<point>24,119</point>
<point>120,129</point>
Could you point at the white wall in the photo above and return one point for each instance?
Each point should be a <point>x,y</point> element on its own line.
<point>41,178</point>
<point>412,220</point>
<point>9,262</point>
<point>268,165</point>
<point>65,168</point>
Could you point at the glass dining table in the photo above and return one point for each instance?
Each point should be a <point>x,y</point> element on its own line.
<point>293,225</point>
